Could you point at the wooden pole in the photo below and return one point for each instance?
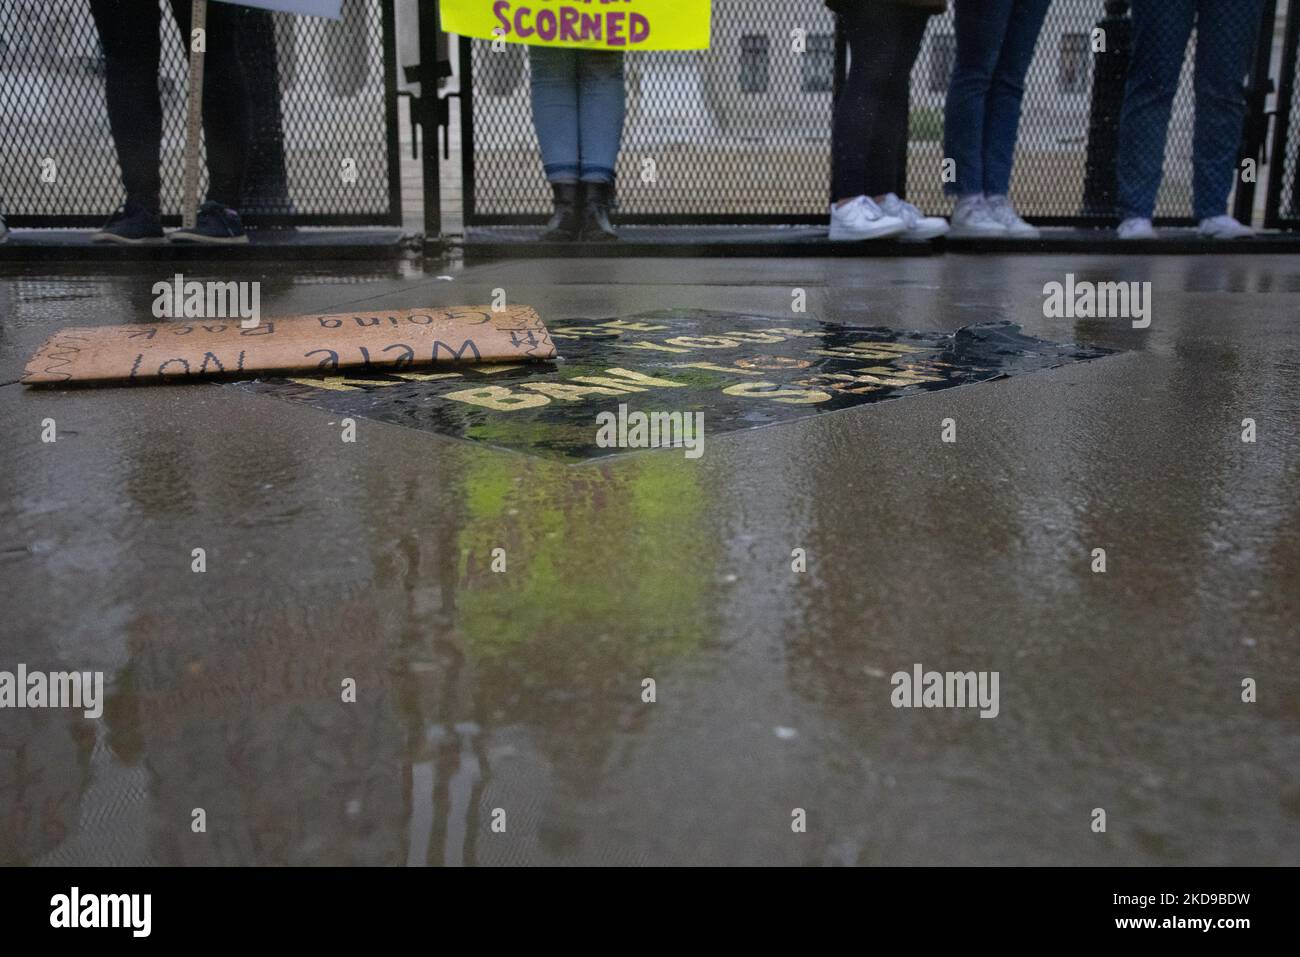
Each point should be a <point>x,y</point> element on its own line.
<point>194,112</point>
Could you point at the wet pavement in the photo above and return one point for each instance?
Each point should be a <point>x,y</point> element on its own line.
<point>516,696</point>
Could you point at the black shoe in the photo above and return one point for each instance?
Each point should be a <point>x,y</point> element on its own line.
<point>216,224</point>
<point>132,223</point>
<point>565,221</point>
<point>598,199</point>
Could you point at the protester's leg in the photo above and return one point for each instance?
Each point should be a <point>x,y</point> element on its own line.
<point>896,32</point>
<point>858,108</point>
<point>227,135</point>
<point>128,33</point>
<point>887,139</point>
<point>554,92</point>
<point>1160,32</point>
<point>980,26</point>
<point>554,89</point>
<point>601,108</point>
<point>1007,92</point>
<point>1225,35</point>
<point>854,107</point>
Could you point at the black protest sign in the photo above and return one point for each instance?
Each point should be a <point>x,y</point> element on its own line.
<point>735,371</point>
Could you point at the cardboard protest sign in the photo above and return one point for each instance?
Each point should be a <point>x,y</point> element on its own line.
<point>391,341</point>
<point>584,24</point>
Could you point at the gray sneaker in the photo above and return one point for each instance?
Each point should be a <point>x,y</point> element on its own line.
<point>1000,209</point>
<point>971,219</point>
<point>919,226</point>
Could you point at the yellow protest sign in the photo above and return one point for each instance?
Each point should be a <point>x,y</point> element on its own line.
<point>586,24</point>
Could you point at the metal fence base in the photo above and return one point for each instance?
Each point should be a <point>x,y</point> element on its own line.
<point>65,245</point>
<point>520,242</point>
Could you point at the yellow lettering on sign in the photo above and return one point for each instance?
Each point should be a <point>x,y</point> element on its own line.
<point>643,379</point>
<point>867,350</point>
<point>884,375</point>
<point>625,326</point>
<point>580,332</point>
<point>338,383</point>
<point>570,393</point>
<point>426,376</point>
<point>497,397</point>
<point>703,342</point>
<point>657,347</point>
<point>608,383</point>
<point>770,390</point>
<point>711,367</point>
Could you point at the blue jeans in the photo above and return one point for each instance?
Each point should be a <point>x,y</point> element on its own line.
<point>578,106</point>
<point>1225,35</point>
<point>995,45</point>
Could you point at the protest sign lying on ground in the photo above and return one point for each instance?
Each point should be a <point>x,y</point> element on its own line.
<point>390,340</point>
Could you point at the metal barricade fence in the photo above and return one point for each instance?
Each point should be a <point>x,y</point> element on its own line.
<point>323,115</point>
<point>740,133</point>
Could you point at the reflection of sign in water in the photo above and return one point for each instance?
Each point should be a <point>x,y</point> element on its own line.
<point>740,371</point>
<point>630,25</point>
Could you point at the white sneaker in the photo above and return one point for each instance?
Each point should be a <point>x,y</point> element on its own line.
<point>971,219</point>
<point>1136,227</point>
<point>1224,227</point>
<point>919,226</point>
<point>1000,209</point>
<point>861,218</point>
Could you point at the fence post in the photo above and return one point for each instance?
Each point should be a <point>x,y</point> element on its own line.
<point>1109,77</point>
<point>430,165</point>
<point>1273,213</point>
<point>1254,134</point>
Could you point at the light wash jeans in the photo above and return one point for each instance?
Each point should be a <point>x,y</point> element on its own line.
<point>578,108</point>
<point>995,45</point>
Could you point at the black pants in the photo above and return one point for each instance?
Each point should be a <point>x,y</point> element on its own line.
<point>869,138</point>
<point>128,30</point>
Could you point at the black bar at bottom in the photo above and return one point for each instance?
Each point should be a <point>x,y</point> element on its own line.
<point>1231,907</point>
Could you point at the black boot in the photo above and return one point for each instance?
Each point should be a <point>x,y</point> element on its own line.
<point>566,220</point>
<point>596,204</point>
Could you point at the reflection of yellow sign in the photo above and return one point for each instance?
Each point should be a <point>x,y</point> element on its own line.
<point>589,24</point>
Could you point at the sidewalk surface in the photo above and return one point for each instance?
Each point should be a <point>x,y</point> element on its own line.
<point>522,690</point>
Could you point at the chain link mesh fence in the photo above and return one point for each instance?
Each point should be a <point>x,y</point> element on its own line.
<point>741,132</point>
<point>1283,207</point>
<point>324,147</point>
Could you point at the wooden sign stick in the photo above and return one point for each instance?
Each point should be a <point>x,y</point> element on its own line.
<point>194,113</point>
